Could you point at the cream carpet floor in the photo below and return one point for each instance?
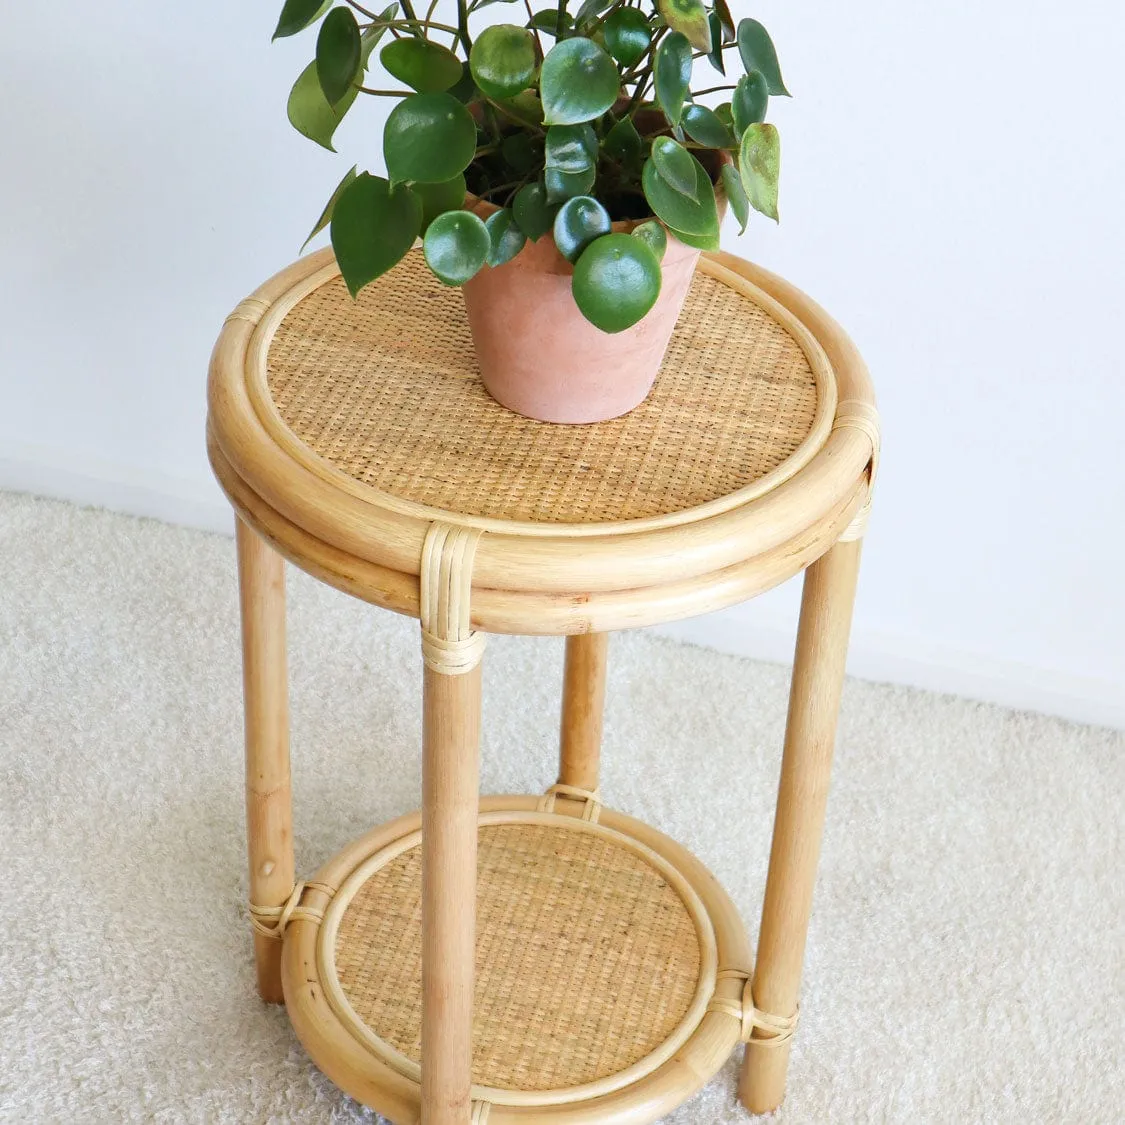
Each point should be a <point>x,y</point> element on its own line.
<point>967,955</point>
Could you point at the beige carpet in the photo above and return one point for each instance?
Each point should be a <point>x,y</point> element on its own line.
<point>967,955</point>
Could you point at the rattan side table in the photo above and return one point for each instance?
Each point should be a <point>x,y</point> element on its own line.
<point>534,959</point>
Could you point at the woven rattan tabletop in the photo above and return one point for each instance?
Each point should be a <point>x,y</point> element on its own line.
<point>344,429</point>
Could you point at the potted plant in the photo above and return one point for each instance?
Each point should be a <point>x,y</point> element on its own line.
<point>563,169</point>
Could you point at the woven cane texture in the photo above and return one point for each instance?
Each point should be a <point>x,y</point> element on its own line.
<point>386,389</point>
<point>586,958</point>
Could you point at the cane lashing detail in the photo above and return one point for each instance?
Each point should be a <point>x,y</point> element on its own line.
<point>449,643</point>
<point>862,416</point>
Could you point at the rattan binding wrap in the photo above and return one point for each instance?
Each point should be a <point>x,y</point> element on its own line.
<point>594,959</point>
<point>383,392</point>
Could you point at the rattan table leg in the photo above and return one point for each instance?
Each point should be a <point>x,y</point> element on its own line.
<point>450,798</point>
<point>269,813</point>
<point>818,676</point>
<point>583,704</point>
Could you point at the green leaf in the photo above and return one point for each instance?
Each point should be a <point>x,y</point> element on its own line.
<point>654,236</point>
<point>673,75</point>
<point>439,198</point>
<point>709,241</point>
<point>722,10</point>
<point>758,53</point>
<point>578,82</point>
<point>623,142</point>
<point>503,60</point>
<point>578,223</point>
<point>591,8</point>
<point>689,17</point>
<point>699,217</point>
<point>456,246</point>
<point>571,148</point>
<point>524,107</point>
<point>373,33</point>
<point>749,101</point>
<point>426,67</point>
<point>329,207</point>
<point>506,239</point>
<point>465,88</point>
<point>627,35</point>
<point>428,137</point>
<point>532,211</point>
<point>704,127</point>
<point>616,282</point>
<point>566,185</point>
<point>725,114</point>
<point>309,111</point>
<point>296,15</point>
<point>715,56</point>
<point>736,196</point>
<point>373,226</point>
<point>549,22</point>
<point>676,166</point>
<point>338,54</point>
<point>759,164</point>
<point>521,153</point>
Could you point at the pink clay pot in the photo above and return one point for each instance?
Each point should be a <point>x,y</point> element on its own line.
<point>540,357</point>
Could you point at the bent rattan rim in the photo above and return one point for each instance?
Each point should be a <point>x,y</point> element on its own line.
<point>704,990</point>
<point>257,389</point>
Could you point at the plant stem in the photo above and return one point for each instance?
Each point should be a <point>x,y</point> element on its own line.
<point>713,90</point>
<point>385,93</point>
<point>462,25</point>
<point>364,12</point>
<point>534,31</point>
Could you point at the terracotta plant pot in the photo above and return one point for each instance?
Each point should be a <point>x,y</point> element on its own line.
<point>540,357</point>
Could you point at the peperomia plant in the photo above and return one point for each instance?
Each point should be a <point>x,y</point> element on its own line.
<point>564,123</point>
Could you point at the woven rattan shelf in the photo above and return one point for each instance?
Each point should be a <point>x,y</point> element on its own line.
<point>534,959</point>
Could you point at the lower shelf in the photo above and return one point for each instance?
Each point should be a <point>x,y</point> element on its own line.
<point>607,958</point>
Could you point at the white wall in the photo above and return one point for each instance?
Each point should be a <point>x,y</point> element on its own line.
<point>952,192</point>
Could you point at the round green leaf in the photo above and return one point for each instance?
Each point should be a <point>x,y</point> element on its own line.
<point>750,101</point>
<point>428,137</point>
<point>571,148</point>
<point>676,166</point>
<point>699,216</point>
<point>373,226</point>
<point>426,67</point>
<point>726,115</point>
<point>689,17</point>
<point>698,241</point>
<point>506,239</point>
<point>503,60</point>
<point>623,142</point>
<point>616,281</point>
<point>566,185</point>
<point>338,54</point>
<point>296,15</point>
<point>309,111</point>
<point>627,35</point>
<point>578,82</point>
<point>521,153</point>
<point>736,196</point>
<point>532,212</point>
<point>759,164</point>
<point>438,198</point>
<point>525,107</point>
<point>591,8</point>
<point>654,236</point>
<point>673,75</point>
<point>548,21</point>
<point>703,126</point>
<point>578,223</point>
<point>758,53</point>
<point>456,246</point>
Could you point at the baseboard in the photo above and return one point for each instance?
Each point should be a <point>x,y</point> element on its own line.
<point>874,654</point>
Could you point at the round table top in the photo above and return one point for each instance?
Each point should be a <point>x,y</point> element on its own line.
<point>343,431</point>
